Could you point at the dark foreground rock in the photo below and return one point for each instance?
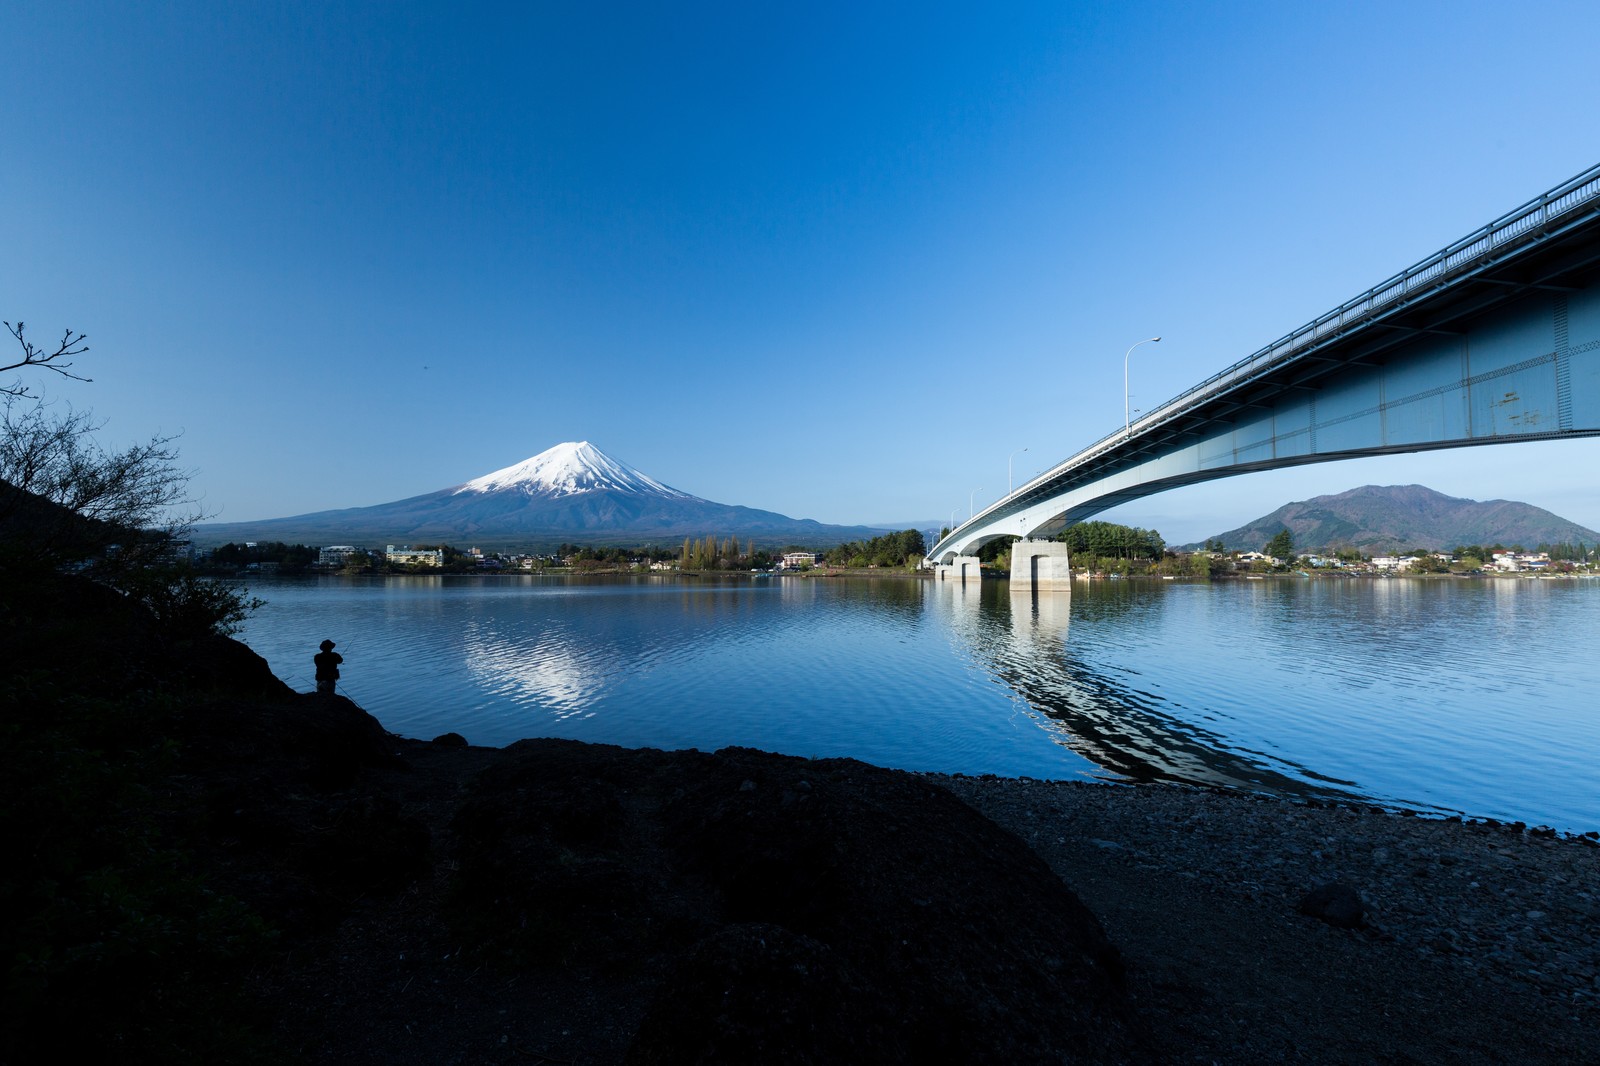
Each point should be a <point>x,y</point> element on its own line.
<point>590,903</point>
<point>790,910</point>
<point>1337,904</point>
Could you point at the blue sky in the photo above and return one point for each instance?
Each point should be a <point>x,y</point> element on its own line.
<point>838,261</point>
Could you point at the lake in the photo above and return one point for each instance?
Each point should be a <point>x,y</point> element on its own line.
<point>1469,696</point>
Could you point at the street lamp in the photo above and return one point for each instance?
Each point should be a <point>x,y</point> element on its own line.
<point>952,524</point>
<point>1009,484</point>
<point>970,496</point>
<point>1127,421</point>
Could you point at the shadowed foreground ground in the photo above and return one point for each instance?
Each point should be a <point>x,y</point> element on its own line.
<point>213,869</point>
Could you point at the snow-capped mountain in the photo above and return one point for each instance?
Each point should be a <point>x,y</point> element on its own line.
<point>572,492</point>
<point>568,469</point>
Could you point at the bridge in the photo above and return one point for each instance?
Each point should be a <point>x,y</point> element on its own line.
<point>1491,340</point>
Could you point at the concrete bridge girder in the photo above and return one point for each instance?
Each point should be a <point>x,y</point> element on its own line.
<point>1529,370</point>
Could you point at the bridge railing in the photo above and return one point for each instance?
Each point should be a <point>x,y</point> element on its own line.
<point>1444,264</point>
<point>1437,269</point>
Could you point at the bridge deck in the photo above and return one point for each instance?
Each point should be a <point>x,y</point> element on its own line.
<point>1549,245</point>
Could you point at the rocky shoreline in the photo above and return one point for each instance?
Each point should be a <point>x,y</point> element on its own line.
<point>1475,931</point>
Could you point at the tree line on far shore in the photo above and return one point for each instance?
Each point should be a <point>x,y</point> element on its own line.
<point>1095,545</point>
<point>905,548</point>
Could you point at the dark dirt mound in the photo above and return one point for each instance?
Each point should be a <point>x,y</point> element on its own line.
<point>791,907</point>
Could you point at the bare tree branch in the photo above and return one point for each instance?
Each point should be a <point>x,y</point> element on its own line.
<point>71,344</point>
<point>136,495</point>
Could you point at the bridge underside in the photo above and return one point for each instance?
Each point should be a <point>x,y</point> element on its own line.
<point>1526,368</point>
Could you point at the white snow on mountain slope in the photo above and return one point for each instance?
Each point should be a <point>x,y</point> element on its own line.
<point>568,469</point>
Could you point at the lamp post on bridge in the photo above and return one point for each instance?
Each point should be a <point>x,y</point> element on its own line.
<point>970,497</point>
<point>1127,419</point>
<point>1010,484</point>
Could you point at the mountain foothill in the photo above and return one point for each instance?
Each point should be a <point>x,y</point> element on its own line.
<point>1376,519</point>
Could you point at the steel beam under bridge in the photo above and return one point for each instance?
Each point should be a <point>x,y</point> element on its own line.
<point>1493,340</point>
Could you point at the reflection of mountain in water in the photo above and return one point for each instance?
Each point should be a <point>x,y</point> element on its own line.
<point>1023,642</point>
<point>548,672</point>
<point>565,650</point>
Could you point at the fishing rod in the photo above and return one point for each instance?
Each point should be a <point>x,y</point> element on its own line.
<point>342,685</point>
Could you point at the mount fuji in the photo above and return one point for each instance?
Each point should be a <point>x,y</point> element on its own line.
<point>572,492</point>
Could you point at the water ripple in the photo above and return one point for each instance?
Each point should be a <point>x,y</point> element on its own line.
<point>1440,695</point>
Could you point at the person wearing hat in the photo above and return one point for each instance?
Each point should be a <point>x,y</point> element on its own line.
<point>327,662</point>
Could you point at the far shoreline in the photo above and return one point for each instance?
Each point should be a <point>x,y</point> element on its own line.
<point>899,573</point>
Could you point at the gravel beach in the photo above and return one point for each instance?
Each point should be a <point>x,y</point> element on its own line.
<point>1479,943</point>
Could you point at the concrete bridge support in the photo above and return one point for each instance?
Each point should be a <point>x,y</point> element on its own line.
<point>1040,565</point>
<point>961,568</point>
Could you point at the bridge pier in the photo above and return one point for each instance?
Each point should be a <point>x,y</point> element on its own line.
<point>1040,565</point>
<point>961,568</point>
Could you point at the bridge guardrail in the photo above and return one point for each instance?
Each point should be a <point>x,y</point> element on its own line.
<point>1446,262</point>
<point>1455,258</point>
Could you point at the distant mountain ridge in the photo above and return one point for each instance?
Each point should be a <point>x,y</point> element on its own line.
<point>571,492</point>
<point>1379,518</point>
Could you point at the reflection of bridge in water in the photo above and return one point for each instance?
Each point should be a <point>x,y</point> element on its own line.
<point>1492,340</point>
<point>1119,729</point>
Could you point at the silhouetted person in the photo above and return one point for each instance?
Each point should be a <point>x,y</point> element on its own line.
<point>327,661</point>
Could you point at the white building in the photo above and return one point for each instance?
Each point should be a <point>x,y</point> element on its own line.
<point>1394,563</point>
<point>337,554</point>
<point>1514,562</point>
<point>409,556</point>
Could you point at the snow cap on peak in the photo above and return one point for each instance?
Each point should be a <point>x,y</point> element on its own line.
<point>568,469</point>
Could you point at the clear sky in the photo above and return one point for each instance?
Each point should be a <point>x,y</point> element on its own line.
<point>837,261</point>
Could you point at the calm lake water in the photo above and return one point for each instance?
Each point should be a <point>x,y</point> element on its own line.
<point>1446,696</point>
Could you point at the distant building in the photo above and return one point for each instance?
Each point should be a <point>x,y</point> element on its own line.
<point>409,556</point>
<point>179,551</point>
<point>1515,562</point>
<point>337,554</point>
<point>794,560</point>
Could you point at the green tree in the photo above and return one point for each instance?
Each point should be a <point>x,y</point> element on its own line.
<point>1426,562</point>
<point>890,549</point>
<point>1097,540</point>
<point>357,562</point>
<point>1281,546</point>
<point>997,552</point>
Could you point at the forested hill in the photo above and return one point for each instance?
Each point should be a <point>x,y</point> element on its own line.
<point>1384,518</point>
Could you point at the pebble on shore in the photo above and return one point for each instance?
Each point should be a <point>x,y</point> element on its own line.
<point>1517,906</point>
